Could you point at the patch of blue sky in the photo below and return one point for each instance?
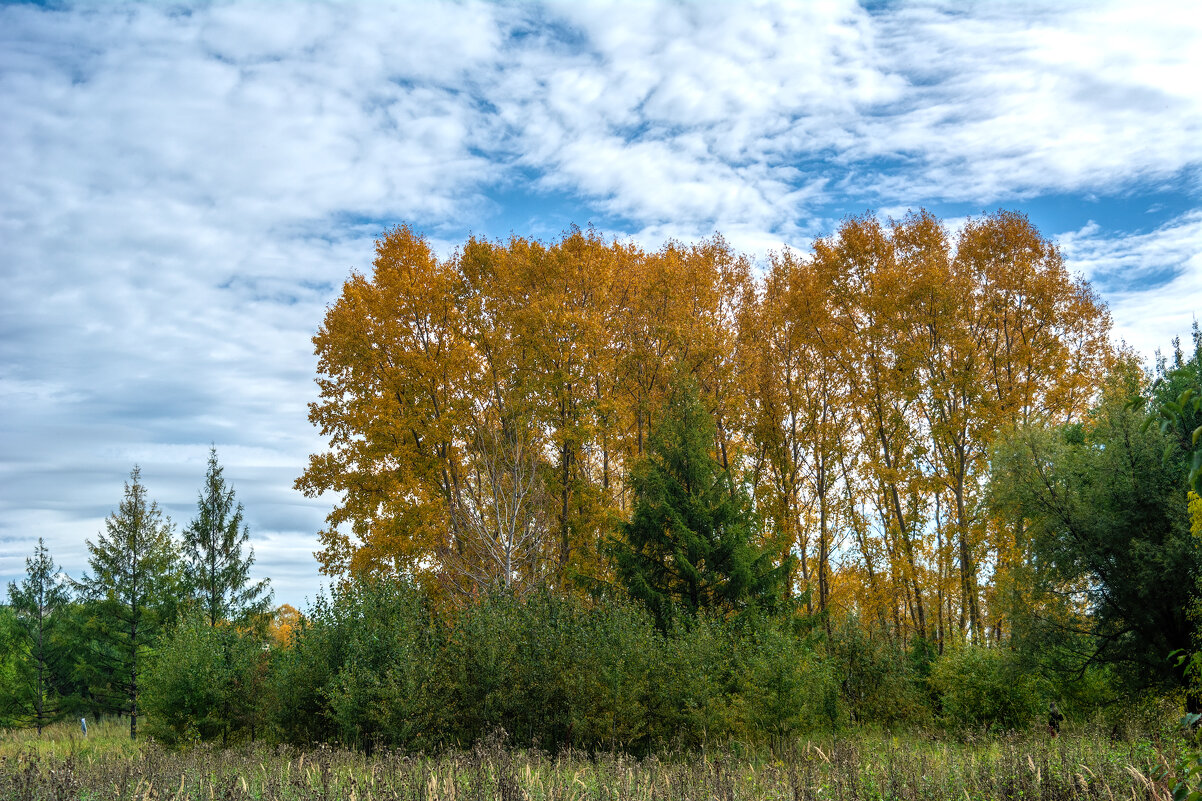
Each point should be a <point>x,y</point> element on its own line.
<point>343,225</point>
<point>523,208</point>
<point>48,5</point>
<point>541,26</point>
<point>322,287</point>
<point>1139,210</point>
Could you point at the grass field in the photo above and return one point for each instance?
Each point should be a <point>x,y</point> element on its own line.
<point>868,766</point>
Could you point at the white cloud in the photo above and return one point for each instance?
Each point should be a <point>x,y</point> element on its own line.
<point>1152,281</point>
<point>186,188</point>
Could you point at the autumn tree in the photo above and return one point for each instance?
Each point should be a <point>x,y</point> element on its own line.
<point>134,588</point>
<point>393,370</point>
<point>943,342</point>
<point>1046,344</point>
<point>858,388</point>
<point>796,418</point>
<point>285,621</point>
<point>567,327</point>
<point>870,292</point>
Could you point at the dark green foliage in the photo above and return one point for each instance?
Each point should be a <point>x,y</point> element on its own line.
<point>1176,405</point>
<point>693,697</point>
<point>299,712</point>
<point>380,694</point>
<point>611,655</point>
<point>133,594</point>
<point>690,542</point>
<point>205,683</point>
<point>85,678</point>
<point>358,670</point>
<point>373,667</point>
<point>38,603</point>
<point>788,688</point>
<point>1113,563</point>
<point>218,571</point>
<point>14,682</point>
<point>549,671</point>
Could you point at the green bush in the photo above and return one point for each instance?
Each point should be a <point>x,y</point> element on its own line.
<point>604,671</point>
<point>879,681</point>
<point>787,686</point>
<point>303,673</point>
<point>373,665</point>
<point>389,643</point>
<point>984,687</point>
<point>14,681</point>
<point>205,683</point>
<point>692,697</point>
<point>550,672</point>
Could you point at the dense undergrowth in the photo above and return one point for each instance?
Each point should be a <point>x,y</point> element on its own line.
<point>375,667</point>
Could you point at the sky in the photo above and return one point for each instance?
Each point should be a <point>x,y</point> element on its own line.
<point>185,187</point>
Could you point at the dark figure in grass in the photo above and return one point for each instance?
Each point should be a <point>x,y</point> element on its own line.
<point>1054,718</point>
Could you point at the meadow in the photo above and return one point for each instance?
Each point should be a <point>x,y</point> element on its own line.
<point>1089,762</point>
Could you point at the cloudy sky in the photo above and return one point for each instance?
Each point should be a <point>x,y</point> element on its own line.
<point>183,189</point>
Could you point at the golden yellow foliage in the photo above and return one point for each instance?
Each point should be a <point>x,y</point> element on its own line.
<point>284,621</point>
<point>1195,514</point>
<point>482,411</point>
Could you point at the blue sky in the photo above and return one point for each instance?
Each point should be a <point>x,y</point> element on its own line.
<point>185,187</point>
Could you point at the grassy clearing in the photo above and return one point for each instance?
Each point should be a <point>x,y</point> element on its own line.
<point>862,766</point>
<point>107,739</point>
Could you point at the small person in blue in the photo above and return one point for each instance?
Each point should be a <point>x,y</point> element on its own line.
<point>83,724</point>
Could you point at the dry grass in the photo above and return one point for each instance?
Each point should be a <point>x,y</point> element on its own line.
<point>861,767</point>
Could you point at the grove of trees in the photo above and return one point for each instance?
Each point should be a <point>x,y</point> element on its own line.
<point>598,497</point>
<point>88,645</point>
<point>496,402</point>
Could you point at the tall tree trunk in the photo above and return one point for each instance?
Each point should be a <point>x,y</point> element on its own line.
<point>968,570</point>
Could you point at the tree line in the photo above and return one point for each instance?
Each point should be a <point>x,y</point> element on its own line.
<point>603,498</point>
<point>484,412</point>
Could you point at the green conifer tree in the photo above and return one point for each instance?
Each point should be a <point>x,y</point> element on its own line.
<point>37,602</point>
<point>134,590</point>
<point>690,543</point>
<point>218,570</point>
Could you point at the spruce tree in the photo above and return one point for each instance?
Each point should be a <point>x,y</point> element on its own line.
<point>690,543</point>
<point>37,603</point>
<point>213,542</point>
<point>133,589</point>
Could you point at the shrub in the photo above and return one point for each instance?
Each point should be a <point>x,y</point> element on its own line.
<point>983,687</point>
<point>788,687</point>
<point>389,641</point>
<point>204,683</point>
<point>691,691</point>
<point>302,675</point>
<point>876,677</point>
